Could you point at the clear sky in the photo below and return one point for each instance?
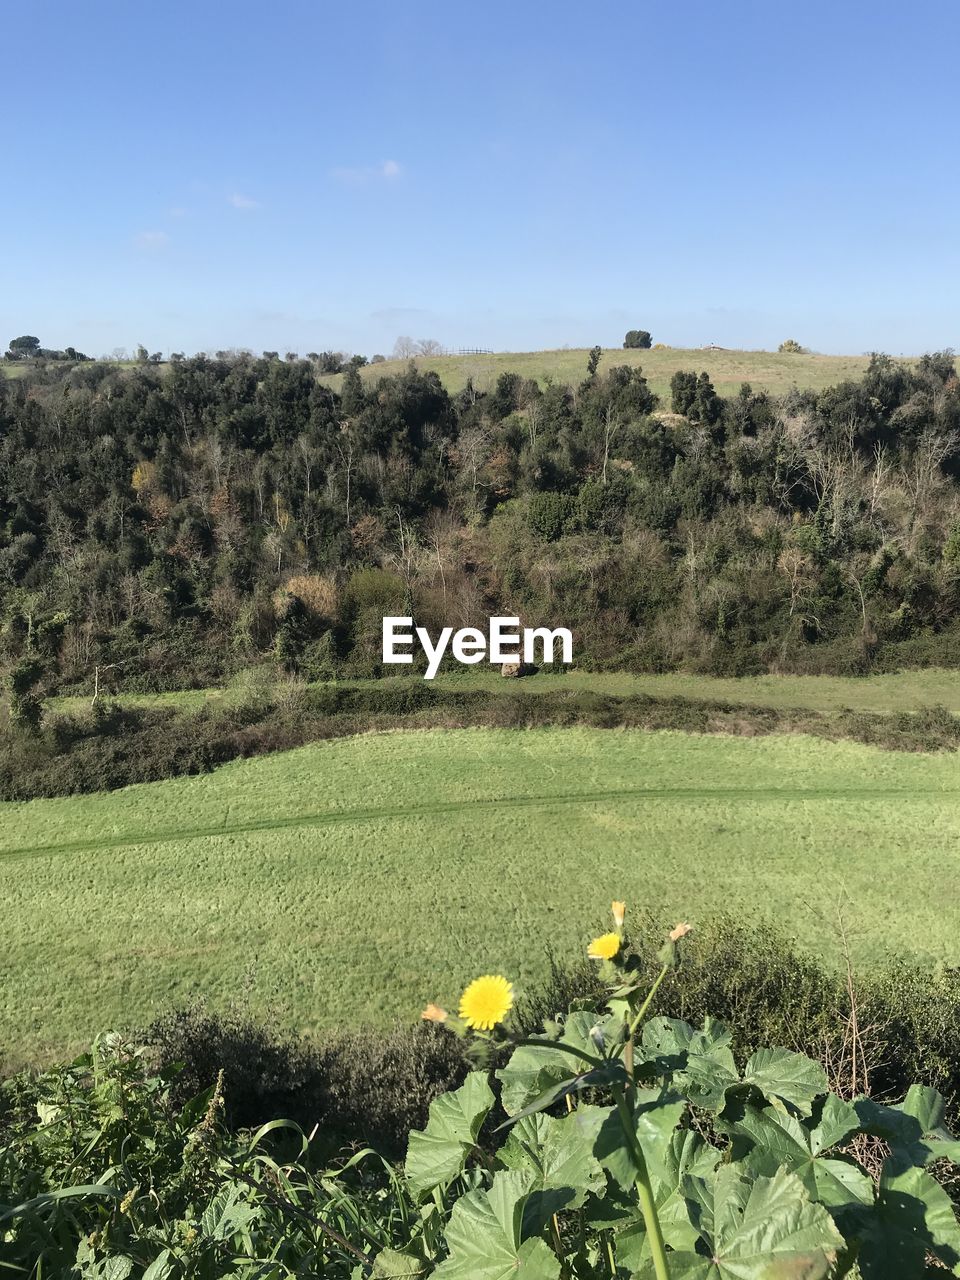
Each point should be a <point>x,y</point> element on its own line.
<point>309,175</point>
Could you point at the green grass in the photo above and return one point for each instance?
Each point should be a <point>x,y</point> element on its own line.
<point>727,369</point>
<point>360,877</point>
<point>883,694</point>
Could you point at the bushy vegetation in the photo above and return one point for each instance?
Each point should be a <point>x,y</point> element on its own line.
<point>878,1027</point>
<point>167,527</point>
<point>113,744</point>
<point>587,1131</point>
<point>308,871</point>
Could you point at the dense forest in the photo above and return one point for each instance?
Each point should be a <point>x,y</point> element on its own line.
<point>171,525</point>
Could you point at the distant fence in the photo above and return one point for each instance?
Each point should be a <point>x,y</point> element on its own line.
<point>470,351</point>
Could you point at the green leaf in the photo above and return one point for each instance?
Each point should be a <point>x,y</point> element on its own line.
<point>913,1215</point>
<point>762,1230</point>
<point>769,1139</point>
<point>836,1121</point>
<point>532,1070</point>
<point>557,1156</point>
<point>699,1064</point>
<point>928,1108</point>
<point>226,1213</point>
<point>485,1236</point>
<point>436,1155</point>
<point>161,1268</point>
<point>602,1077</point>
<point>904,1127</point>
<point>115,1267</point>
<point>656,1115</point>
<point>671,1040</point>
<point>389,1264</point>
<point>791,1077</point>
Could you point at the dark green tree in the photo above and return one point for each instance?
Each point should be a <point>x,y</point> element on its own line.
<point>26,702</point>
<point>351,395</point>
<point>637,338</point>
<point>24,348</point>
<point>683,391</point>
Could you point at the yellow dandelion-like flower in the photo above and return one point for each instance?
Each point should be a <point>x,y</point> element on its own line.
<point>619,910</point>
<point>605,947</point>
<point>433,1013</point>
<point>486,1002</point>
<point>680,931</point>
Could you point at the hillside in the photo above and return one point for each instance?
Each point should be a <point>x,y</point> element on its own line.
<point>176,526</point>
<point>728,369</point>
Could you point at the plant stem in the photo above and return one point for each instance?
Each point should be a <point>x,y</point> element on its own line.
<point>646,1004</point>
<point>644,1190</point>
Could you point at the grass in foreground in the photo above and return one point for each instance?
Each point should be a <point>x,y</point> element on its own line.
<point>357,874</point>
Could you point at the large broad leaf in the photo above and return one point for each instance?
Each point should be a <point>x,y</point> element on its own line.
<point>762,1230</point>
<point>914,1129</point>
<point>687,1155</point>
<point>557,1155</point>
<point>927,1107</point>
<point>533,1070</point>
<point>913,1216</point>
<point>929,1110</point>
<point>486,1239</point>
<point>656,1114</point>
<point>769,1139</point>
<point>699,1064</point>
<point>780,1074</point>
<point>436,1155</point>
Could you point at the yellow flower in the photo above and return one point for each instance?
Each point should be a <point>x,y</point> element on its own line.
<point>486,1002</point>
<point>433,1013</point>
<point>680,931</point>
<point>605,947</point>
<point>619,910</point>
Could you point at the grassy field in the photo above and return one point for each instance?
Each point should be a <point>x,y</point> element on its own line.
<point>355,879</point>
<point>727,369</point>
<point>883,694</point>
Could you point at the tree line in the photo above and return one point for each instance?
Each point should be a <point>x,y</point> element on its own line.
<point>168,526</point>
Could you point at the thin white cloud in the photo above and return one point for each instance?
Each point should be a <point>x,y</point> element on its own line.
<point>178,212</point>
<point>386,171</point>
<point>240,201</point>
<point>151,240</point>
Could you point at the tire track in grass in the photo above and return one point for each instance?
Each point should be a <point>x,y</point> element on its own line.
<point>478,805</point>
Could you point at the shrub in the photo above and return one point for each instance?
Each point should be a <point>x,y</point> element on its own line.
<point>636,1143</point>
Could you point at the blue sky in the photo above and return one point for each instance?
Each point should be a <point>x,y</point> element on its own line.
<point>304,176</point>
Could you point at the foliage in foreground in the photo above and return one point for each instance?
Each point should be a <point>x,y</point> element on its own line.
<point>633,1147</point>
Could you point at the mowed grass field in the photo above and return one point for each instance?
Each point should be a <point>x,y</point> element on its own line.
<point>883,694</point>
<point>728,369</point>
<point>355,879</point>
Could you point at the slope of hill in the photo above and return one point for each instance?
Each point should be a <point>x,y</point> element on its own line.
<point>728,368</point>
<point>764,370</point>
